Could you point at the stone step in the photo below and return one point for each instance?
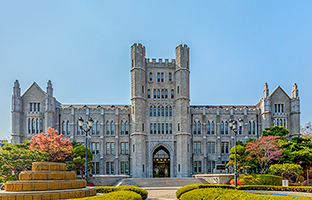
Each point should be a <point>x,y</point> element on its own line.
<point>51,194</point>
<point>48,166</point>
<point>44,185</point>
<point>47,175</point>
<point>160,182</point>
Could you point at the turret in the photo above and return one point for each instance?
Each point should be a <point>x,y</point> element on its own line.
<point>266,114</point>
<point>265,91</point>
<point>182,102</point>
<point>295,111</point>
<point>16,113</point>
<point>50,107</point>
<point>138,110</point>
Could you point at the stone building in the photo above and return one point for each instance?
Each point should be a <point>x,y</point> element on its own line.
<point>159,134</point>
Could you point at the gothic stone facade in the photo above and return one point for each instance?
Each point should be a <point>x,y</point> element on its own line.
<point>160,134</point>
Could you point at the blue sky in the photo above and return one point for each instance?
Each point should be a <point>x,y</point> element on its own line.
<point>83,47</point>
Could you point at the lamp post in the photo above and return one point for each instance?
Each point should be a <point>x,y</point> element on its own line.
<point>86,130</point>
<point>233,127</point>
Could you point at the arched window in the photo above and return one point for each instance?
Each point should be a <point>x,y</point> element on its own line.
<point>162,111</point>
<point>166,111</point>
<point>208,128</point>
<point>222,128</point>
<point>78,129</point>
<point>123,127</point>
<point>198,128</point>
<point>151,111</point>
<point>107,128</point>
<point>29,125</point>
<point>170,111</point>
<point>158,111</point>
<point>112,128</point>
<point>154,111</point>
<point>37,125</point>
<point>63,128</point>
<point>33,126</point>
<point>249,128</point>
<point>212,128</point>
<point>127,128</point>
<point>41,126</point>
<point>68,128</point>
<point>226,127</point>
<point>253,128</point>
<point>194,128</point>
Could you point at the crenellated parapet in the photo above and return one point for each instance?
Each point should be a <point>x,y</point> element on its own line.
<point>160,63</point>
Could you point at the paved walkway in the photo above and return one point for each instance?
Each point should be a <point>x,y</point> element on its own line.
<point>161,193</point>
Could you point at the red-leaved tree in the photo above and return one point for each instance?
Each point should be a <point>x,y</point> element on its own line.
<point>263,151</point>
<point>59,148</point>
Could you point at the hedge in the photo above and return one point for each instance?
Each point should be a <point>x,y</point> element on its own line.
<point>228,194</point>
<point>107,189</point>
<point>191,187</point>
<point>117,195</point>
<point>187,188</point>
<point>260,179</point>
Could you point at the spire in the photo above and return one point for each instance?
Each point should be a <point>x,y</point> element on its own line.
<point>294,92</point>
<point>16,89</point>
<point>49,88</point>
<point>265,90</point>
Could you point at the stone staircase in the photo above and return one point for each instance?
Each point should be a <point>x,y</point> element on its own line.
<point>160,182</point>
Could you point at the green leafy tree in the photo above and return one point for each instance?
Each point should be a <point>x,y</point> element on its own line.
<point>241,158</point>
<point>275,131</point>
<point>79,159</point>
<point>16,158</point>
<point>287,170</point>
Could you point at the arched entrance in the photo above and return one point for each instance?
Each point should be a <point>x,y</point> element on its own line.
<point>161,162</point>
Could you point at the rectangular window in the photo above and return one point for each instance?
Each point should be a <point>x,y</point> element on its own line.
<point>30,107</point>
<point>195,166</point>
<point>162,128</point>
<point>127,148</point>
<point>158,77</point>
<point>170,129</point>
<point>162,77</point>
<point>39,107</point>
<point>97,148</point>
<point>211,166</point>
<point>122,148</point>
<point>166,94</point>
<point>151,128</point>
<point>112,148</point>
<point>197,147</point>
<point>151,76</point>
<point>142,89</point>
<point>162,94</point>
<point>148,93</point>
<point>108,152</point>
<point>35,107</point>
<point>155,128</point>
<point>154,94</point>
<point>167,128</point>
<point>211,147</point>
<point>224,147</point>
<point>158,94</point>
<point>170,76</point>
<point>158,128</point>
<point>172,94</point>
<point>97,168</point>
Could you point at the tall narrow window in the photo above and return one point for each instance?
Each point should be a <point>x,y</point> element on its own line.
<point>178,127</point>
<point>154,111</point>
<point>166,94</point>
<point>151,111</point>
<point>212,128</point>
<point>127,148</point>
<point>41,126</point>
<point>107,128</point>
<point>162,94</point>
<point>112,148</point>
<point>162,111</point>
<point>68,128</point>
<point>142,89</point>
<point>198,128</point>
<point>29,125</point>
<point>170,111</point>
<point>33,126</point>
<point>151,76</point>
<point>97,126</point>
<point>208,128</point>
<point>222,128</point>
<point>158,94</point>
<point>194,128</point>
<point>213,147</point>
<point>162,128</point>
<point>108,148</point>
<point>143,127</point>
<point>30,107</point>
<point>122,128</point>
<point>166,111</point>
<point>155,129</point>
<point>112,128</point>
<point>158,109</point>
<point>253,128</point>
<point>240,130</point>
<point>35,107</point>
<point>172,94</point>
<point>37,125</point>
<point>170,76</point>
<point>167,128</point>
<point>226,128</point>
<point>158,128</point>
<point>148,93</point>
<point>162,77</point>
<point>154,94</point>
<point>39,107</point>
<point>249,128</point>
<point>158,77</point>
<point>170,128</point>
<point>151,128</point>
<point>127,128</point>
<point>78,129</point>
<point>178,89</point>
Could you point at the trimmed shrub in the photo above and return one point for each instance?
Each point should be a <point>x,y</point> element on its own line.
<point>227,194</point>
<point>117,195</point>
<point>276,188</point>
<point>107,189</point>
<point>188,188</point>
<point>261,179</point>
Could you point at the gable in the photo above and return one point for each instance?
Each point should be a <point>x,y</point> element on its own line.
<point>279,95</point>
<point>34,92</point>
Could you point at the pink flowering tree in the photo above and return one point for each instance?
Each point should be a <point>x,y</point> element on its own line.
<point>55,145</point>
<point>264,150</point>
